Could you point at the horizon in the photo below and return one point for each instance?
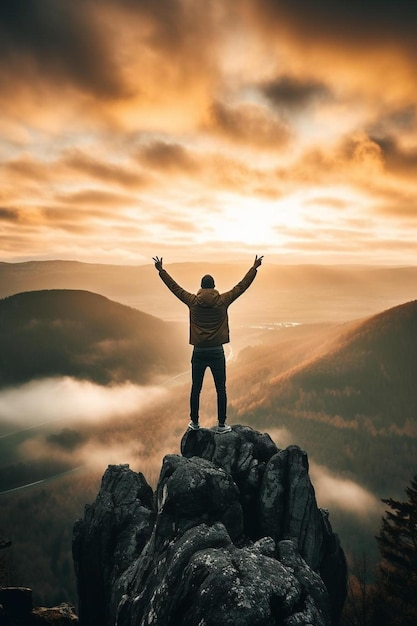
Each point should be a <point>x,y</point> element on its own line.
<point>135,129</point>
<point>234,261</point>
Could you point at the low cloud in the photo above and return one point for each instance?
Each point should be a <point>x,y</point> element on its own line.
<point>333,491</point>
<point>342,493</point>
<point>72,423</point>
<point>281,437</point>
<point>92,453</point>
<point>67,399</point>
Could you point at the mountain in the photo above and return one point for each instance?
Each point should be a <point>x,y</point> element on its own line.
<point>365,373</point>
<point>300,293</point>
<point>110,280</point>
<point>369,376</point>
<point>347,393</point>
<point>232,534</point>
<point>86,336</point>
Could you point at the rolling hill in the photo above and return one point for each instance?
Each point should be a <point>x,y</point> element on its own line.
<point>86,336</point>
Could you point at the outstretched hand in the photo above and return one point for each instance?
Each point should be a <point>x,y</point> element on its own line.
<point>158,262</point>
<point>258,261</point>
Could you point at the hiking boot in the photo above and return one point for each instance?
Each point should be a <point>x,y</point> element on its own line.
<point>223,428</point>
<point>194,425</point>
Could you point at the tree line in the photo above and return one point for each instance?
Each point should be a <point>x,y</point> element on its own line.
<point>392,599</point>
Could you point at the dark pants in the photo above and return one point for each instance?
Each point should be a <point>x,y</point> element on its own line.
<point>214,359</point>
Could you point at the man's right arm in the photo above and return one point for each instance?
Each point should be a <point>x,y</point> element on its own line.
<point>174,287</point>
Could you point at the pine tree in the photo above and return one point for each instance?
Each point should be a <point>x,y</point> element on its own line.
<point>398,570</point>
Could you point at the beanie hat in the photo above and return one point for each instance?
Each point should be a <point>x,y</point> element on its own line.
<point>207,282</point>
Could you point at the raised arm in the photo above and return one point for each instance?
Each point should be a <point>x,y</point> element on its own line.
<point>230,296</point>
<point>158,262</point>
<point>176,289</point>
<point>257,262</point>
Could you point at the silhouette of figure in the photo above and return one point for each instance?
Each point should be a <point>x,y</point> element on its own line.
<point>209,330</point>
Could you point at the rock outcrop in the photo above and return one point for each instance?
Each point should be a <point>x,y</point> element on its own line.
<point>232,535</point>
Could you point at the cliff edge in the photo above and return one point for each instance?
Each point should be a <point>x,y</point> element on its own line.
<point>232,535</point>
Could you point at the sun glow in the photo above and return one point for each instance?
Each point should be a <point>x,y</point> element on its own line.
<point>254,220</point>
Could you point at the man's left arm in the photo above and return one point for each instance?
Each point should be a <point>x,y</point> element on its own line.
<point>247,280</point>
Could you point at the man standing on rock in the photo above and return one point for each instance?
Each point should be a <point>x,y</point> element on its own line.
<point>209,330</point>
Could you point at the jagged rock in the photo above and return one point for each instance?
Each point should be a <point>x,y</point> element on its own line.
<point>232,536</point>
<point>288,509</point>
<point>244,454</point>
<point>109,538</point>
<point>277,497</point>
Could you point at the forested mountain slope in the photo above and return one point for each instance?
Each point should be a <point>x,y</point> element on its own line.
<point>84,335</point>
<point>347,394</point>
<point>364,374</point>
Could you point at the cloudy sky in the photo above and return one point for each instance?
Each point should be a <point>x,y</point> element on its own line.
<point>193,128</point>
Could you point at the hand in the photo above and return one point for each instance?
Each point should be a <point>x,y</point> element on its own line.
<point>258,261</point>
<point>158,263</point>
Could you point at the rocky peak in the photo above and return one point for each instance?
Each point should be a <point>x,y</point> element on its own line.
<point>232,535</point>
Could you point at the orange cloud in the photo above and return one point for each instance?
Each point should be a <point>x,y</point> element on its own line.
<point>106,172</point>
<point>249,123</point>
<point>168,157</point>
<point>293,93</point>
<point>27,167</point>
<point>8,214</point>
<point>91,197</point>
<point>58,43</point>
<point>216,125</point>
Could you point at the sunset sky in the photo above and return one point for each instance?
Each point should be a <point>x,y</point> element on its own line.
<point>200,128</point>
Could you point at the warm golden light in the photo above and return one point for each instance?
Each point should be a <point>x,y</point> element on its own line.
<point>132,127</point>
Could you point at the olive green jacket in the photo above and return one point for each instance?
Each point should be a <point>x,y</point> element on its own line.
<point>209,321</point>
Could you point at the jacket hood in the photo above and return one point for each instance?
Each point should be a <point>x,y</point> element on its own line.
<point>207,297</point>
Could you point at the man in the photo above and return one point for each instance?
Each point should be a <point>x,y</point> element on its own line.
<point>209,330</point>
